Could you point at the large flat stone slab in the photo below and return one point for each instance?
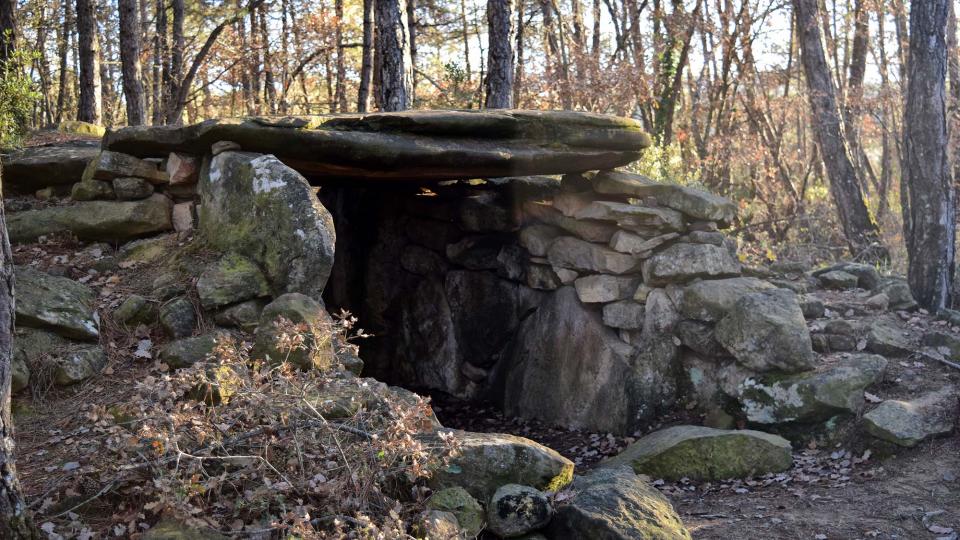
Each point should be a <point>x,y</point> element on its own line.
<point>421,145</point>
<point>95,220</point>
<point>29,169</point>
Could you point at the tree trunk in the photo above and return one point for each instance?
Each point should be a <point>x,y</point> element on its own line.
<point>173,113</point>
<point>88,108</point>
<point>929,215</point>
<point>130,61</point>
<point>518,75</point>
<point>412,32</point>
<point>269,91</point>
<point>500,55</point>
<point>393,48</point>
<point>8,28</point>
<point>341,92</point>
<point>861,232</point>
<point>62,50</point>
<point>15,522</point>
<point>366,62</point>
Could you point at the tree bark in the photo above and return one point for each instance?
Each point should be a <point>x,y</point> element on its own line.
<point>861,232</point>
<point>62,50</point>
<point>8,29</point>
<point>393,49</point>
<point>88,108</point>
<point>15,522</point>
<point>500,54</point>
<point>929,214</point>
<point>341,91</point>
<point>269,91</point>
<point>518,74</point>
<point>366,61</point>
<point>130,61</point>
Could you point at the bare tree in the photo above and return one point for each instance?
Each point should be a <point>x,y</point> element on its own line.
<point>859,228</point>
<point>500,73</point>
<point>393,50</point>
<point>366,62</point>
<point>928,195</point>
<point>130,62</point>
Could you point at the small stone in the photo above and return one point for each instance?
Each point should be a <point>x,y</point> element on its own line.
<point>231,279</point>
<point>317,351</point>
<point>636,218</point>
<point>466,509</point>
<point>183,216</point>
<point>128,188</point>
<point>681,263</point>
<point>898,292</point>
<point>91,190</point>
<point>625,314</point>
<point>599,288</point>
<point>188,351</point>
<point>178,317</point>
<point>703,237</point>
<point>811,307</point>
<point>438,525</point>
<point>58,304</point>
<point>838,279</point>
<point>79,365</point>
<point>582,256</point>
<point>515,510</point>
<point>878,302</point>
<point>542,277</point>
<point>908,423</point>
<point>887,338</point>
<point>182,168</point>
<point>627,242</point>
<point>136,310</point>
<point>566,275</point>
<point>867,276</point>
<point>702,453</point>
<point>537,238</point>
<point>224,146</point>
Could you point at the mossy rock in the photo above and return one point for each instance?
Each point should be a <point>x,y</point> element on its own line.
<point>188,351</point>
<point>136,309</point>
<point>316,325</point>
<point>231,279</point>
<point>92,190</point>
<point>458,502</point>
<point>702,453</point>
<point>56,303</point>
<point>172,529</point>
<point>79,127</point>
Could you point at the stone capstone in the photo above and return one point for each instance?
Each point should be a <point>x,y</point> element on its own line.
<point>703,453</point>
<point>258,207</point>
<point>616,504</point>
<point>58,304</point>
<point>766,331</point>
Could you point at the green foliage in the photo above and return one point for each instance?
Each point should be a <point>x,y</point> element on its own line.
<point>17,97</point>
<point>666,164</point>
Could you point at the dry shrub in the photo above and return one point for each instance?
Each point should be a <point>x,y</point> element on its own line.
<point>313,454</point>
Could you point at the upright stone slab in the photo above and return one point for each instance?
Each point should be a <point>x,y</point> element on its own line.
<point>258,207</point>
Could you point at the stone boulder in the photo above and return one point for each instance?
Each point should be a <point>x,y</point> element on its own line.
<point>697,204</point>
<point>109,165</point>
<point>231,279</point>
<point>765,331</point>
<point>656,221</point>
<point>261,209</point>
<point>185,352</point>
<point>315,327</point>
<point>465,508</point>
<point>681,263</point>
<point>601,288</point>
<point>811,397</point>
<point>129,188</point>
<point>568,368</point>
<point>838,279</point>
<point>92,190</point>
<point>616,504</point>
<point>581,256</point>
<point>95,220</point>
<point>30,169</point>
<point>136,309</point>
<point>703,453</point>
<point>516,510</point>
<point>490,460</point>
<point>67,362</point>
<point>710,300</point>
<point>898,294</point>
<point>908,423</point>
<point>58,304</point>
<point>427,145</point>
<point>885,337</point>
<point>178,317</point>
<point>867,277</point>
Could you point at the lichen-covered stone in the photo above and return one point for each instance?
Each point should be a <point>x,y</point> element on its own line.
<point>908,423</point>
<point>702,453</point>
<point>693,202</point>
<point>625,314</point>
<point>135,310</point>
<point>582,256</point>
<point>516,510</point>
<point>867,277</point>
<point>899,294</point>
<point>605,288</point>
<point>78,364</point>
<point>129,188</point>
<point>465,508</point>
<point>109,165</point>
<point>490,460</point>
<point>710,300</point>
<point>634,244</point>
<point>586,229</point>
<point>537,238</point>
<point>258,207</point>
<point>245,315</point>
<point>885,337</point>
<point>231,279</point>
<point>811,397</point>
<point>56,303</point>
<point>681,263</point>
<point>838,279</point>
<point>298,309</point>
<point>616,504</point>
<point>633,217</point>
<point>178,317</point>
<point>94,220</point>
<point>765,331</point>
<point>29,169</point>
<point>92,190</point>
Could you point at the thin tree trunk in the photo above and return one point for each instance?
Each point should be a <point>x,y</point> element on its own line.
<point>500,74</point>
<point>860,230</point>
<point>341,92</point>
<point>269,91</point>
<point>929,214</point>
<point>465,37</point>
<point>412,33</point>
<point>8,29</point>
<point>254,65</point>
<point>366,61</point>
<point>63,47</point>
<point>173,113</point>
<point>15,522</point>
<point>393,49</point>
<point>88,108</point>
<point>130,61</point>
<point>518,76</point>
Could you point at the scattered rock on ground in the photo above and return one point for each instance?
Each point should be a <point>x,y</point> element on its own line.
<point>464,507</point>
<point>838,279</point>
<point>178,317</point>
<point>185,352</point>
<point>135,310</point>
<point>703,453</point>
<point>59,304</point>
<point>515,510</point>
<point>908,423</point>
